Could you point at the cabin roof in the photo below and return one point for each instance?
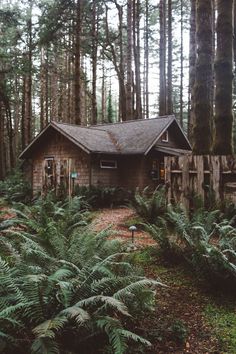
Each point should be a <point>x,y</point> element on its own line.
<point>130,137</point>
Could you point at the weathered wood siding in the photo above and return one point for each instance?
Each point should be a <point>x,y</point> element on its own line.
<point>104,177</point>
<point>60,149</point>
<point>206,176</point>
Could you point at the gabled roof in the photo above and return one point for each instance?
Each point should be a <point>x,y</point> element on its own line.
<point>130,137</point>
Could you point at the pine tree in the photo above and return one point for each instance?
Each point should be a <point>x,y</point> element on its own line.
<point>203,79</point>
<point>224,78</point>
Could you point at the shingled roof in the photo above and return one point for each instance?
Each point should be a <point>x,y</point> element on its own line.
<point>130,137</point>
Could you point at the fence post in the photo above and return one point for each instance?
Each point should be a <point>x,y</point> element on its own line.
<point>168,178</point>
<point>184,163</point>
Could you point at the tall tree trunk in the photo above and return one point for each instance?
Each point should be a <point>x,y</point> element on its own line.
<point>170,59</point>
<point>2,144</point>
<point>162,65</point>
<point>146,60</point>
<point>224,78</point>
<point>103,96</point>
<point>77,91</point>
<point>94,61</point>
<point>43,91</point>
<point>204,76</point>
<point>192,68</point>
<point>136,40</point>
<point>181,62</point>
<point>129,61</point>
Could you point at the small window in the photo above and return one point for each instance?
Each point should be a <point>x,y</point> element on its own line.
<point>165,137</point>
<point>108,164</point>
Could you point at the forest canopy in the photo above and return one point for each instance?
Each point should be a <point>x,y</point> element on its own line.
<point>93,61</point>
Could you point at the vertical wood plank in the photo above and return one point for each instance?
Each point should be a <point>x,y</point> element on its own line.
<point>184,163</point>
<point>199,163</point>
<point>215,178</point>
<point>167,161</point>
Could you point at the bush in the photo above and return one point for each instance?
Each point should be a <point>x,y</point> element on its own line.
<point>150,205</point>
<point>203,241</point>
<point>103,197</point>
<point>15,188</point>
<point>64,288</point>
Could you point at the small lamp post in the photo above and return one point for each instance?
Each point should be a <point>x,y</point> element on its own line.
<point>132,229</point>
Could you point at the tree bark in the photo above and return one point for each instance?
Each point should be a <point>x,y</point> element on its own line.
<point>224,78</point>
<point>136,40</point>
<point>170,59</point>
<point>77,91</point>
<point>146,60</point>
<point>162,65</point>
<point>181,62</point>
<point>204,77</point>
<point>129,53</point>
<point>94,61</point>
<point>192,68</point>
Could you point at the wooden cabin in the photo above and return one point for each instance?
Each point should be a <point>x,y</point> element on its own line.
<point>128,154</point>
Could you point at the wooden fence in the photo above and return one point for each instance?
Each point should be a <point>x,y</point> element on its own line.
<point>209,177</point>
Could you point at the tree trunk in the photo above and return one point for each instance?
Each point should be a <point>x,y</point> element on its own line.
<point>136,40</point>
<point>162,65</point>
<point>170,59</point>
<point>204,77</point>
<point>129,92</point>
<point>224,78</point>
<point>146,60</point>
<point>192,68</point>
<point>77,91</point>
<point>94,61</point>
<point>181,62</point>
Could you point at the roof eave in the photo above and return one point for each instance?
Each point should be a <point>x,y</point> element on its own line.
<point>54,125</point>
<point>159,135</point>
<point>51,124</point>
<point>163,130</point>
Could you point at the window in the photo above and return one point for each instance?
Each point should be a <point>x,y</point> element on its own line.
<point>108,164</point>
<point>165,137</point>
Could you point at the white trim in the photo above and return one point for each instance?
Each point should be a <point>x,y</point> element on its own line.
<point>110,162</point>
<point>167,137</point>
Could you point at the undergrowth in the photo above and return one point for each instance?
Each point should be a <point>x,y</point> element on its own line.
<point>63,287</point>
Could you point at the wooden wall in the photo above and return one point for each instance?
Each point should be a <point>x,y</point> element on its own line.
<point>60,149</point>
<point>205,176</point>
<point>132,171</point>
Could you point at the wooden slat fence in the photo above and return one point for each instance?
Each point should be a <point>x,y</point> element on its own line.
<point>209,177</point>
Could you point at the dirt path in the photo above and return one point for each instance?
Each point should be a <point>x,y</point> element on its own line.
<point>118,219</point>
<point>178,324</point>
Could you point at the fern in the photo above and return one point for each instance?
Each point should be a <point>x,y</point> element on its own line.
<point>56,285</point>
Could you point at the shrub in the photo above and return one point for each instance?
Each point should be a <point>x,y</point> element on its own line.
<point>150,205</point>
<point>204,242</point>
<point>104,197</point>
<point>15,188</point>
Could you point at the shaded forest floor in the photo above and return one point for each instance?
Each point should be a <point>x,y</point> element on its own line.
<point>189,317</point>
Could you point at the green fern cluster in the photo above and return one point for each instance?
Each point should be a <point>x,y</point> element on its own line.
<point>204,240</point>
<point>64,289</point>
<point>15,188</point>
<point>150,205</point>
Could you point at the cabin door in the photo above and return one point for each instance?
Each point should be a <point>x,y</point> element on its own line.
<point>49,174</point>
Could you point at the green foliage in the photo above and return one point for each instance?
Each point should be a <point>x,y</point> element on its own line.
<point>63,287</point>
<point>204,241</point>
<point>179,331</point>
<point>15,188</point>
<point>150,205</point>
<point>102,197</point>
<point>223,320</point>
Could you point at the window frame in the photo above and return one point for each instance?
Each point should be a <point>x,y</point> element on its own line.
<point>108,167</point>
<point>165,137</point>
